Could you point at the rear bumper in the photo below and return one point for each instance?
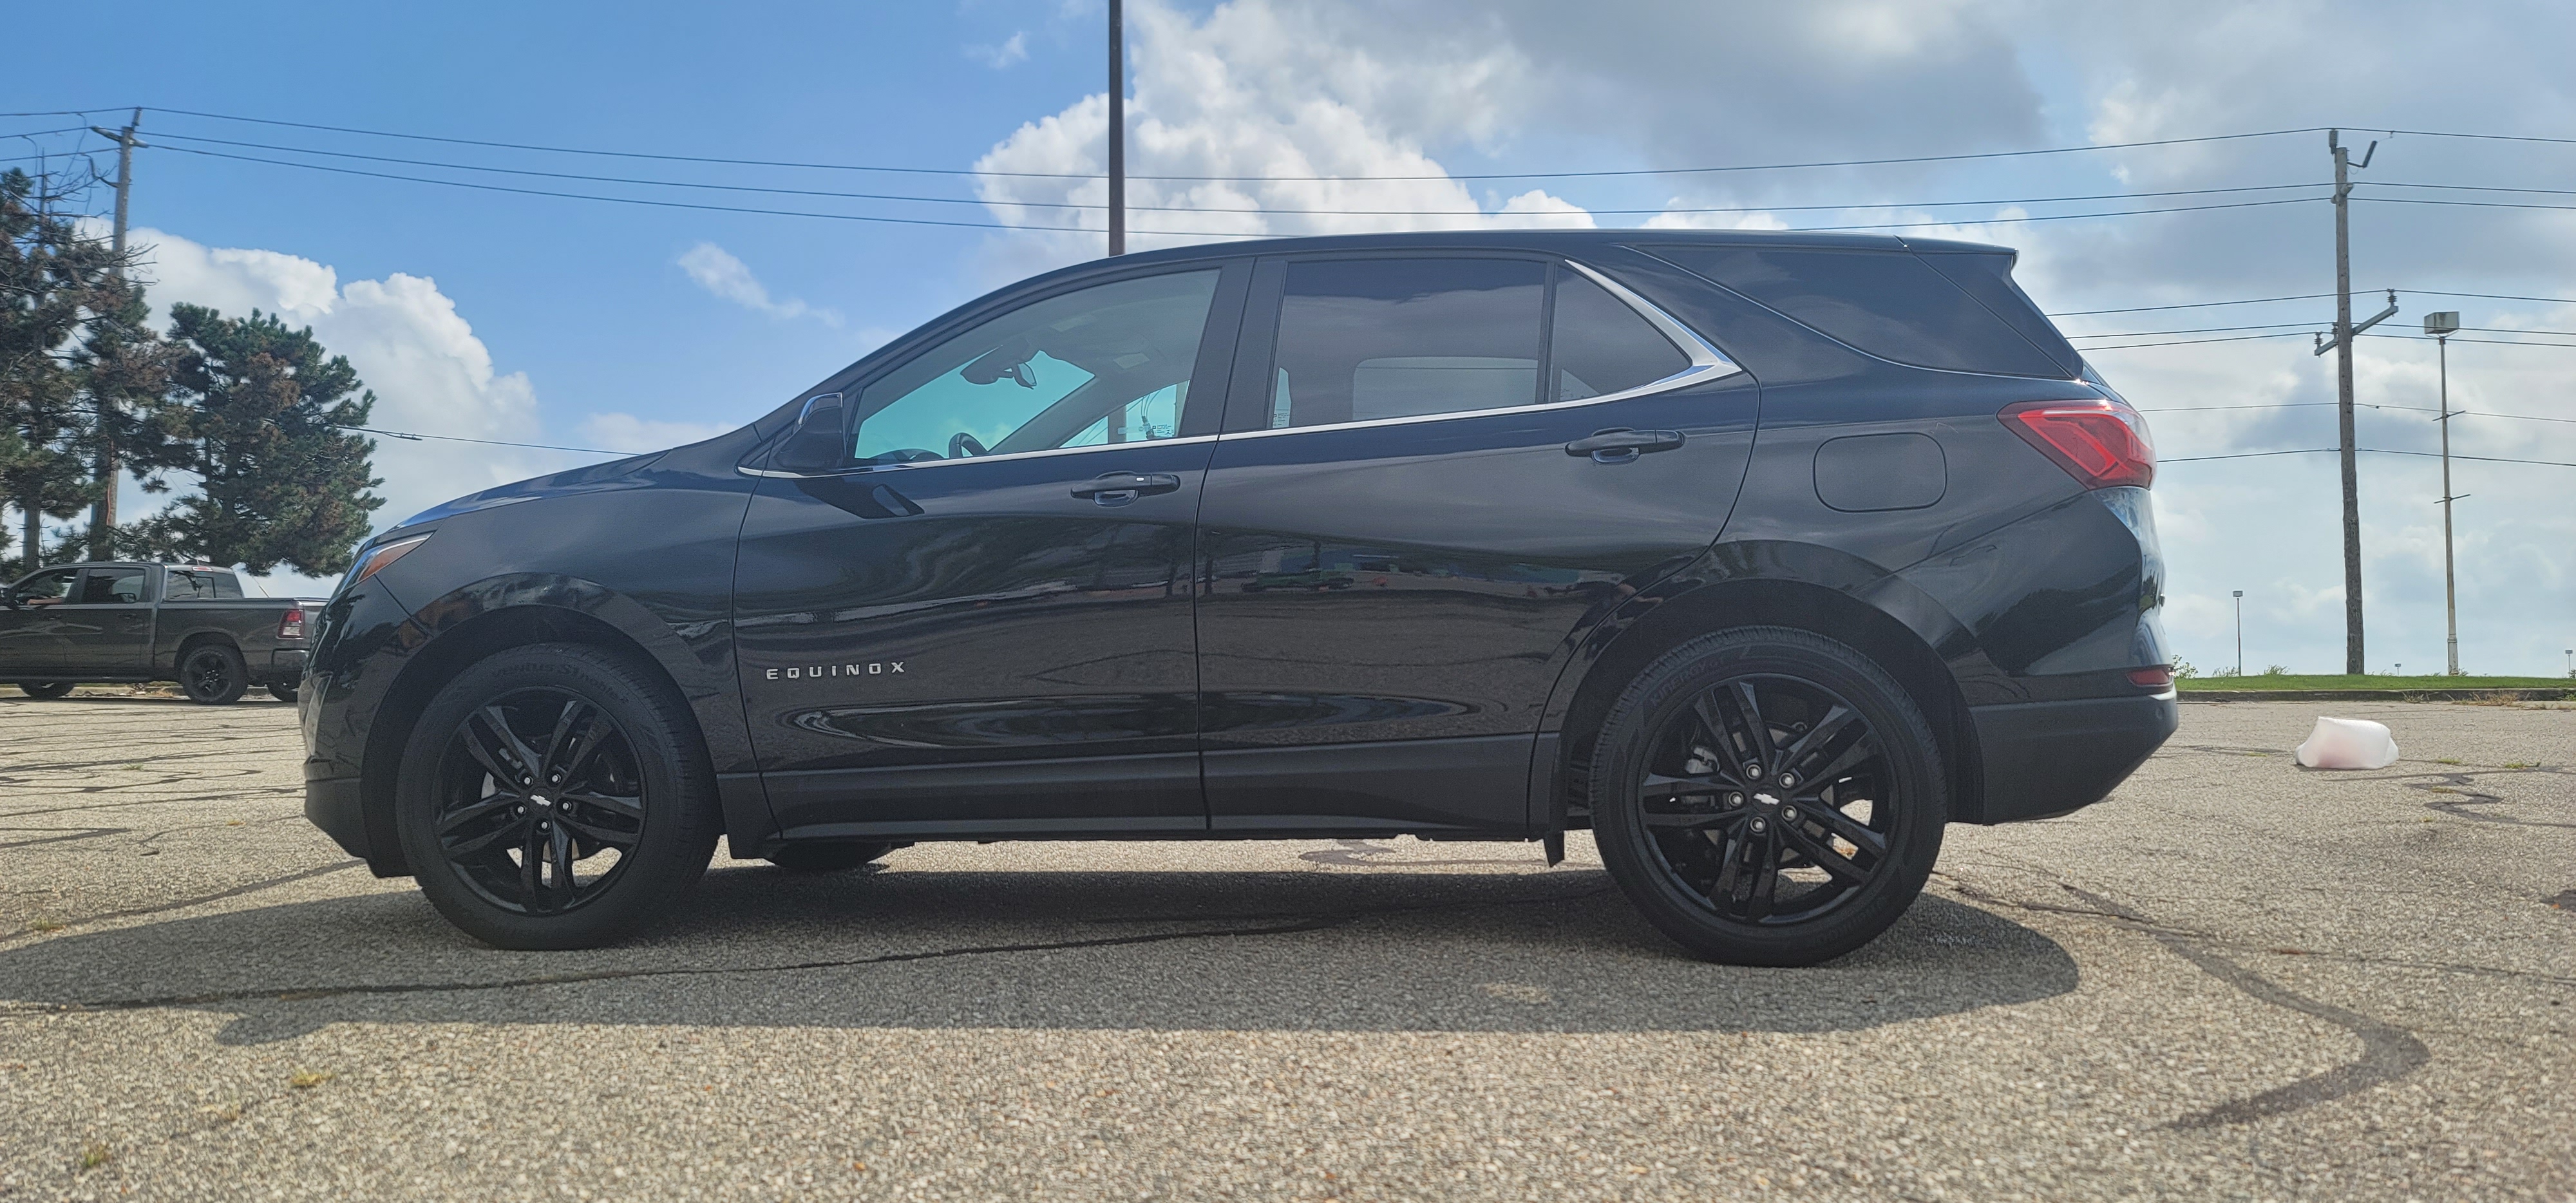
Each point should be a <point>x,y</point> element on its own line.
<point>2043,759</point>
<point>286,666</point>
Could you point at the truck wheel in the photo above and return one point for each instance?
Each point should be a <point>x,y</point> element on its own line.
<point>283,693</point>
<point>45,691</point>
<point>826,858</point>
<point>212,674</point>
<point>556,796</point>
<point>1767,796</point>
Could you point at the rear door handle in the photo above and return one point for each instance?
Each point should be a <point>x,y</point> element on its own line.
<point>1119,488</point>
<point>1619,445</point>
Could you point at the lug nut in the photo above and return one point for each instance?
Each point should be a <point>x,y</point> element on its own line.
<point>1788,814</point>
<point>1753,770</point>
<point>1733,800</point>
<point>1788,779</point>
<point>1758,825</point>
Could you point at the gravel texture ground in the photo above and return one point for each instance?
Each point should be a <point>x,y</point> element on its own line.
<point>2235,980</point>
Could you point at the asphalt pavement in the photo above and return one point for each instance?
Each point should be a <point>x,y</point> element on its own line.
<point>2236,979</point>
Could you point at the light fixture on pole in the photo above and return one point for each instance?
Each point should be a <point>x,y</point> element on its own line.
<point>2240,632</point>
<point>2441,326</point>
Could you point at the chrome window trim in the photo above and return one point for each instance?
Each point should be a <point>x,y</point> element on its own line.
<point>859,469</point>
<point>1707,363</point>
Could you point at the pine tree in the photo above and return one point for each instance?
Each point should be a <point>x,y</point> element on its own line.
<point>262,411</point>
<point>52,282</point>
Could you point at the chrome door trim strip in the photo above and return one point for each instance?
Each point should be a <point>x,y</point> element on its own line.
<point>1707,363</point>
<point>978,459</point>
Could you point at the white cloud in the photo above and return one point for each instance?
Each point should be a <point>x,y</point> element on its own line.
<point>1014,50</point>
<point>1285,95</point>
<point>718,271</point>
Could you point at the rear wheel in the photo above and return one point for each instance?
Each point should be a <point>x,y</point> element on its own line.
<point>283,693</point>
<point>556,796</point>
<point>826,858</point>
<point>45,691</point>
<point>1768,796</point>
<point>212,674</point>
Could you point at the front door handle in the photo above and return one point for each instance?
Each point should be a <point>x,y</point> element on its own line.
<point>1119,488</point>
<point>1619,445</point>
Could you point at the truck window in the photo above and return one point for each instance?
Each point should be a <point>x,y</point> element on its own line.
<point>111,586</point>
<point>186,586</point>
<point>47,588</point>
<point>225,583</point>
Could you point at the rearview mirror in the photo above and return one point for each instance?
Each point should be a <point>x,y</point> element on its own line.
<point>818,442</point>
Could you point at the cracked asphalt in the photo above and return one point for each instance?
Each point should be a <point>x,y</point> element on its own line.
<point>2236,979</point>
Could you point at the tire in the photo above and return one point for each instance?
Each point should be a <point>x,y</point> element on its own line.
<point>212,674</point>
<point>45,691</point>
<point>633,785</point>
<point>826,858</point>
<point>283,693</point>
<point>1710,845</point>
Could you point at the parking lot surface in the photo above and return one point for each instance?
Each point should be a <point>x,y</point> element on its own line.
<point>2237,979</point>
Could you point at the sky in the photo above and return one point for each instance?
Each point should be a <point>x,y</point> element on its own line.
<point>597,324</point>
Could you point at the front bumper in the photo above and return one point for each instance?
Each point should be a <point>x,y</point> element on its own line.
<point>332,804</point>
<point>2042,759</point>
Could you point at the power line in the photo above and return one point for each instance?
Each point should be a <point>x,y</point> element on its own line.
<point>449,438</point>
<point>952,200</point>
<point>2310,296</point>
<point>2238,338</point>
<point>2427,133</point>
<point>1508,175</point>
<point>2490,459</point>
<point>2459,204</point>
<point>2421,409</point>
<point>986,225</point>
<point>2486,296</point>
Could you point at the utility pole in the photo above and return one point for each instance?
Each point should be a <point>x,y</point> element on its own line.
<point>1117,130</point>
<point>2441,326</point>
<point>2342,345</point>
<point>102,513</point>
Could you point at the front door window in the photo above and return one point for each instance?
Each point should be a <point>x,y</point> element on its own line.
<point>1103,365</point>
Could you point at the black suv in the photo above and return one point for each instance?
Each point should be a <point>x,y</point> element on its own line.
<point>1762,556</point>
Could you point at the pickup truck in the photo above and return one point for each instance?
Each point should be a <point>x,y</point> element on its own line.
<point>125,621</point>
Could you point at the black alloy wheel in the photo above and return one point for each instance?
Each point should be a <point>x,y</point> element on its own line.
<point>1768,796</point>
<point>45,691</point>
<point>212,674</point>
<point>541,801</point>
<point>556,796</point>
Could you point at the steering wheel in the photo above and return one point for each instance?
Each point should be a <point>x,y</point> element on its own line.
<point>962,444</point>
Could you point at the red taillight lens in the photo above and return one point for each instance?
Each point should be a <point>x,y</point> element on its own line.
<point>2099,442</point>
<point>291,626</point>
<point>2151,678</point>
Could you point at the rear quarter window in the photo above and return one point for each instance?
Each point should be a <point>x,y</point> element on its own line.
<point>1888,303</point>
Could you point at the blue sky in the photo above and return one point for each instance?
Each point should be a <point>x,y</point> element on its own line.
<point>534,319</point>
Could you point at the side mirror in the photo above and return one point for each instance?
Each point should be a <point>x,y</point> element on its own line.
<point>820,441</point>
<point>9,597</point>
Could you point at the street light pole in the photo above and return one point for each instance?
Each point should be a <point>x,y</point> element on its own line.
<point>2441,326</point>
<point>2240,632</point>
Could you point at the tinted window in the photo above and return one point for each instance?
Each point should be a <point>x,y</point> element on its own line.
<point>1599,345</point>
<point>1890,304</point>
<point>1362,339</point>
<point>1108,364</point>
<point>111,586</point>
<point>226,584</point>
<point>185,586</point>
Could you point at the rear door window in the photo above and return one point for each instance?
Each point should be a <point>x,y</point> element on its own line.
<point>225,584</point>
<point>1888,303</point>
<point>1367,339</point>
<point>1598,345</point>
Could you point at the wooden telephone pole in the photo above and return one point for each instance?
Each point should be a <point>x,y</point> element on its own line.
<point>102,513</point>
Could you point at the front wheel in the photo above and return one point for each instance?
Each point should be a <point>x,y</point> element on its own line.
<point>45,691</point>
<point>1767,796</point>
<point>556,796</point>
<point>212,674</point>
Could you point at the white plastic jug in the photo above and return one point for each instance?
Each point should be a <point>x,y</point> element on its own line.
<point>2348,743</point>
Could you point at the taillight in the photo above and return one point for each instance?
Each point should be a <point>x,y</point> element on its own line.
<point>2151,678</point>
<point>2099,442</point>
<point>291,626</point>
